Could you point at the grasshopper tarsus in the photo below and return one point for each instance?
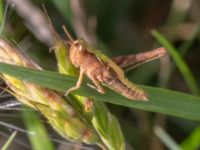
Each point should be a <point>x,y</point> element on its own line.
<point>78,83</point>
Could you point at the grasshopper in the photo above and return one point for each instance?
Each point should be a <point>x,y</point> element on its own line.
<point>101,70</point>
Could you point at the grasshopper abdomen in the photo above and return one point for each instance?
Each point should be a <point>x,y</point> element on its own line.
<point>126,91</point>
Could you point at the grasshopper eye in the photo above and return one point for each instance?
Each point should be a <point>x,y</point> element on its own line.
<point>80,47</point>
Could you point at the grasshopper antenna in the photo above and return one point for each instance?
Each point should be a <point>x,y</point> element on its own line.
<point>68,34</point>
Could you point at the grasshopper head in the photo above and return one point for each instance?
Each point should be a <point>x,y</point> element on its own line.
<point>78,52</point>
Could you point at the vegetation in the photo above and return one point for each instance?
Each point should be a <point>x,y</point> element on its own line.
<point>170,120</point>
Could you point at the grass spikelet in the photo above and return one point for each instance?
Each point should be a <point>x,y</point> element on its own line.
<point>61,115</point>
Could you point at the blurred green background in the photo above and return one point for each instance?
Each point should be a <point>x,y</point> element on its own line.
<point>117,28</point>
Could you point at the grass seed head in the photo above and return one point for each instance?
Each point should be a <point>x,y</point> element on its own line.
<point>62,116</point>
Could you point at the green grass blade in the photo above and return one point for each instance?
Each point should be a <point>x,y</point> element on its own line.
<point>39,139</point>
<point>182,66</point>
<point>160,100</point>
<point>8,142</point>
<point>1,17</point>
<point>1,11</point>
<point>64,8</point>
<point>193,141</point>
<point>166,139</point>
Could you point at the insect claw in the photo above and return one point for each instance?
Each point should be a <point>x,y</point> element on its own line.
<point>145,98</point>
<point>102,91</point>
<point>67,93</point>
<point>70,90</point>
<point>99,89</point>
<point>91,86</point>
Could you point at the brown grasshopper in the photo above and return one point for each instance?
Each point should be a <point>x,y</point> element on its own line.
<point>103,71</point>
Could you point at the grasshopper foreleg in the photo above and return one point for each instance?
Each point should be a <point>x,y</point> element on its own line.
<point>78,83</point>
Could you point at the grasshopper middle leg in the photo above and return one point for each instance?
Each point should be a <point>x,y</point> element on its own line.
<point>98,86</point>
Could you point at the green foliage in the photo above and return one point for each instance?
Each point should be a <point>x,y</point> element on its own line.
<point>2,18</point>
<point>108,127</point>
<point>1,11</point>
<point>96,113</point>
<point>192,142</point>
<point>160,100</point>
<point>182,66</point>
<point>9,141</point>
<point>166,139</point>
<point>124,29</point>
<point>64,7</point>
<point>38,135</point>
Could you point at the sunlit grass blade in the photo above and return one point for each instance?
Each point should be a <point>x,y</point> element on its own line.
<point>1,11</point>
<point>166,139</point>
<point>160,100</point>
<point>39,139</point>
<point>193,141</point>
<point>9,141</point>
<point>182,66</point>
<point>3,15</point>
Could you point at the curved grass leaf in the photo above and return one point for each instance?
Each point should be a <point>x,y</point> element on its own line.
<point>1,11</point>
<point>192,142</point>
<point>9,141</point>
<point>160,100</point>
<point>2,18</point>
<point>182,66</point>
<point>166,138</point>
<point>40,139</point>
